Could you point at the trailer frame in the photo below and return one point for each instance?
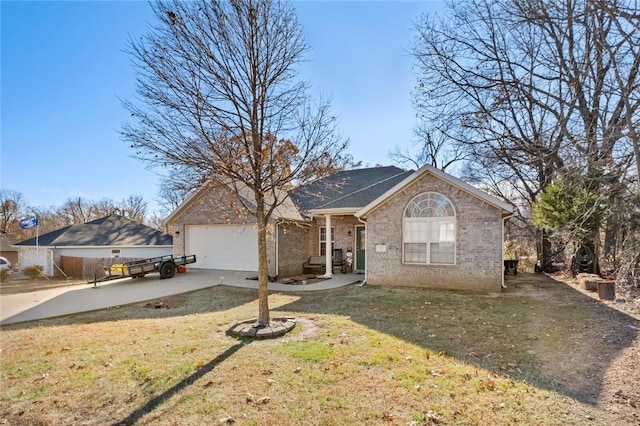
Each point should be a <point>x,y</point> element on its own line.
<point>165,265</point>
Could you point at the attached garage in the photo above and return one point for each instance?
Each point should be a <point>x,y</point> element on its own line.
<point>230,247</point>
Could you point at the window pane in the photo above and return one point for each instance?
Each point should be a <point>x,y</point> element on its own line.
<point>430,204</point>
<point>443,230</point>
<point>415,253</point>
<point>443,253</point>
<point>323,239</point>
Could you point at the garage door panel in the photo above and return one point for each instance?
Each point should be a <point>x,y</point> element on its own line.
<point>231,247</point>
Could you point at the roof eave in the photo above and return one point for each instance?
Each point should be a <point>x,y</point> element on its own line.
<point>505,208</point>
<point>334,211</point>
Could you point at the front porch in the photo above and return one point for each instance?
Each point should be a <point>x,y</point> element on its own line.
<point>341,241</point>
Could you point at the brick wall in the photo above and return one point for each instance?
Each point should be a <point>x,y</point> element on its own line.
<point>478,243</point>
<point>294,246</point>
<point>217,204</point>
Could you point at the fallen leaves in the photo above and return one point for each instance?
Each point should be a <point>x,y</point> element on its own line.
<point>251,399</point>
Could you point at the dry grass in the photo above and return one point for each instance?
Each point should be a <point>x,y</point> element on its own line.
<point>540,353</point>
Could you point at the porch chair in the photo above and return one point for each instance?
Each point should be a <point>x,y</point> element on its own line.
<point>337,260</point>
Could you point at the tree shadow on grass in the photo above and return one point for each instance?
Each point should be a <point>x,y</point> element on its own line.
<point>540,330</point>
<point>180,386</point>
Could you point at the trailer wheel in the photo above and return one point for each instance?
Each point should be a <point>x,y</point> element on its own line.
<point>167,269</point>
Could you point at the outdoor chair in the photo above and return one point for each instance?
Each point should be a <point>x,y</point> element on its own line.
<point>338,260</point>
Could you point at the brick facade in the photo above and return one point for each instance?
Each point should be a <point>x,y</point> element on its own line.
<point>478,261</point>
<point>217,204</point>
<point>478,264</point>
<point>294,248</point>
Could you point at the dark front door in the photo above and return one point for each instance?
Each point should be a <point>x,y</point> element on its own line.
<point>360,248</point>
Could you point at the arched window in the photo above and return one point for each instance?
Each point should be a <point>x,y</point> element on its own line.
<point>429,230</point>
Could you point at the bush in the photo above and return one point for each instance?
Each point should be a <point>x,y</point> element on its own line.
<point>4,274</point>
<point>33,271</point>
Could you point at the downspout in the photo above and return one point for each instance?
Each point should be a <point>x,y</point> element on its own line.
<point>366,263</point>
<point>504,219</point>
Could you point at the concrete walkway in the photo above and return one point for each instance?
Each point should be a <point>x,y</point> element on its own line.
<point>61,301</point>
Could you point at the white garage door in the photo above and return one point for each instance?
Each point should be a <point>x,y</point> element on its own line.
<point>232,247</point>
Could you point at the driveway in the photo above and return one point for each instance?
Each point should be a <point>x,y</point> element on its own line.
<point>83,298</point>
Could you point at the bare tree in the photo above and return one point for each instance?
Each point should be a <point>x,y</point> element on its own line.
<point>173,193</point>
<point>133,207</point>
<point>104,207</point>
<point>223,99</point>
<point>12,206</point>
<point>75,210</point>
<point>531,87</point>
<point>433,148</point>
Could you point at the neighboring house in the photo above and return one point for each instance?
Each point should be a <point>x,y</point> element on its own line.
<point>7,250</point>
<point>107,237</point>
<point>420,228</point>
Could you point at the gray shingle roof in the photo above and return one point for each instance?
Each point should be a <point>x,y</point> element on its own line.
<point>347,189</point>
<point>112,230</point>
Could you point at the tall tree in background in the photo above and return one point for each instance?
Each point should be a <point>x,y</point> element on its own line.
<point>535,88</point>
<point>75,210</point>
<point>78,210</point>
<point>432,148</point>
<point>12,206</point>
<point>222,98</point>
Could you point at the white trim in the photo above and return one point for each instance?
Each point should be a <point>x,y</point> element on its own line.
<point>428,241</point>
<point>335,212</point>
<point>333,238</point>
<point>507,209</point>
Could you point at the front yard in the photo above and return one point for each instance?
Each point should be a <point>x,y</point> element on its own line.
<point>540,353</point>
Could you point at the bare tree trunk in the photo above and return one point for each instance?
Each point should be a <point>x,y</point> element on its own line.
<point>263,272</point>
<point>545,251</point>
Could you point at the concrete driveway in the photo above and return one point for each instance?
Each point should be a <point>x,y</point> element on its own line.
<point>83,298</point>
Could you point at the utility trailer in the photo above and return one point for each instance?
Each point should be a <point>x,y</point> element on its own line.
<point>165,265</point>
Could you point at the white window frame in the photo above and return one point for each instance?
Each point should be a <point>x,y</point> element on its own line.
<point>321,241</point>
<point>423,232</point>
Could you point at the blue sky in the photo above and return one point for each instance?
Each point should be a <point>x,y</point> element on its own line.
<point>64,72</point>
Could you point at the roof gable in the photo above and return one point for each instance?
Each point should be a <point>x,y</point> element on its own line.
<point>348,189</point>
<point>112,230</point>
<point>504,207</point>
<point>285,209</point>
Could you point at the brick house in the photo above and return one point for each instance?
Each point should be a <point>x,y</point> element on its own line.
<point>421,228</point>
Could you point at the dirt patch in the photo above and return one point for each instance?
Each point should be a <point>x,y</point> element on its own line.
<point>170,302</point>
<point>596,360</point>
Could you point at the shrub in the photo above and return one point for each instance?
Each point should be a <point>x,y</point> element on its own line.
<point>33,271</point>
<point>4,274</point>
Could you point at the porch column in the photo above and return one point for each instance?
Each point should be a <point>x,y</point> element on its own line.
<point>328,247</point>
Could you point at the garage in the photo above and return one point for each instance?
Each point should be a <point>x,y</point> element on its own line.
<point>231,247</point>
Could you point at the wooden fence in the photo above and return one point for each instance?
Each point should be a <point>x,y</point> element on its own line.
<point>86,268</point>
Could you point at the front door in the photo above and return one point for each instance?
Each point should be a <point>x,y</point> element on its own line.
<point>360,248</point>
